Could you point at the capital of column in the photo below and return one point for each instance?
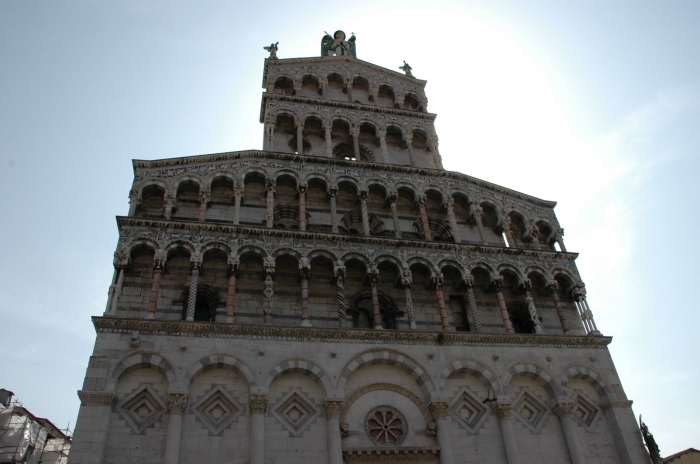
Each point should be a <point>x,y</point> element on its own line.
<point>233,264</point>
<point>552,286</point>
<point>177,402</point>
<point>134,197</point>
<point>497,283</point>
<point>438,409</point>
<point>96,397</point>
<point>408,137</point>
<point>303,186</point>
<point>258,403</point>
<point>333,191</point>
<point>355,131</point>
<point>437,281</point>
<point>381,132</point>
<point>505,223</point>
<point>333,408</point>
<point>563,407</point>
<point>339,273</point>
<point>271,185</point>
<point>392,197</point>
<point>527,284</point>
<point>449,202</point>
<point>502,410</point>
<point>362,194</point>
<point>477,211</point>
<point>195,263</point>
<point>559,234</point>
<point>421,199</point>
<point>204,195</point>
<point>406,278</point>
<point>304,268</point>
<point>269,266</point>
<point>299,125</point>
<point>373,275</point>
<point>579,292</point>
<point>121,259</point>
<point>468,280</point>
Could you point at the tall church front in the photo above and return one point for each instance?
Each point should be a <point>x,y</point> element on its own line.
<point>339,297</point>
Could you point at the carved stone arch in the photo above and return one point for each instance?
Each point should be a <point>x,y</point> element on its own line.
<point>341,72</point>
<point>532,371</point>
<point>537,270</point>
<point>252,249</point>
<point>558,271</point>
<point>391,357</point>
<point>491,202</point>
<point>318,176</point>
<point>369,122</point>
<point>413,188</point>
<point>597,381</point>
<point>303,366</point>
<point>284,251</point>
<point>190,247</point>
<point>287,172</point>
<point>313,114</point>
<point>375,182</point>
<point>222,174</point>
<point>141,241</point>
<point>318,253</point>
<point>398,127</point>
<point>140,360</point>
<point>485,375</point>
<point>511,209</point>
<point>245,172</point>
<point>420,261</point>
<point>219,361</point>
<point>356,256</point>
<point>387,258</point>
<point>215,245</point>
<point>461,193</point>
<point>338,117</point>
<point>473,265</point>
<point>187,178</point>
<point>145,183</point>
<point>355,182</point>
<point>289,113</point>
<point>282,74</point>
<point>434,188</point>
<point>452,263</point>
<point>355,395</point>
<point>509,267</point>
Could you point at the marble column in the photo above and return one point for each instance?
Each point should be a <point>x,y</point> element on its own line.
<point>424,217</point>
<point>333,193</point>
<point>393,196</point>
<point>498,287</point>
<point>168,205</point>
<point>328,128</point>
<point>449,203</point>
<point>268,144</point>
<point>382,142</point>
<point>300,137</point>
<point>268,292</point>
<point>237,197</point>
<point>192,298</point>
<point>373,277</point>
<point>477,212</point>
<point>231,295</point>
<point>438,283</point>
<point>339,278</point>
<point>348,88</point>
<point>302,206</point>
<point>158,267</point>
<point>204,199</point>
<point>409,146</point>
<point>502,410</point>
<point>406,282</point>
<point>258,408</point>
<point>355,132</point>
<point>270,202</point>
<point>469,283</point>
<point>579,294</point>
<point>527,286</point>
<point>333,409</point>
<point>559,237</point>
<point>324,89</point>
<point>177,403</point>
<point>510,238</point>
<point>564,409</point>
<point>439,412</point>
<point>304,272</point>
<point>552,288</point>
<point>365,213</point>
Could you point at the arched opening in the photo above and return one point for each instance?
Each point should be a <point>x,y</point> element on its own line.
<point>152,202</point>
<point>455,299</point>
<point>355,278</point>
<point>460,208</point>
<point>411,102</point>
<point>314,137</point>
<point>346,199</point>
<point>187,200</point>
<point>385,96</point>
<point>336,88</point>
<point>254,201</point>
<point>421,150</point>
<point>406,210</point>
<point>520,318</point>
<point>360,90</point>
<point>284,86</point>
<point>286,212</point>
<point>322,294</point>
<point>424,299</point>
<point>341,141</point>
<point>284,132</point>
<point>310,87</point>
<point>370,147</point>
<point>250,286</point>
<point>517,225</point>
<point>221,209</point>
<point>396,147</point>
<point>389,284</point>
<point>286,303</point>
<point>544,232</point>
<point>317,206</point>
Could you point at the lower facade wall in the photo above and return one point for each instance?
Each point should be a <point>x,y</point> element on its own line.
<point>295,384</point>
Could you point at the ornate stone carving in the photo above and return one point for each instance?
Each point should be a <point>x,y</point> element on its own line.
<point>333,408</point>
<point>177,403</point>
<point>386,426</point>
<point>258,404</point>
<point>502,410</point>
<point>95,397</point>
<point>438,409</point>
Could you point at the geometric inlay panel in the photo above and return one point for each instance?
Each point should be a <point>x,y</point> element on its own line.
<point>386,426</point>
<point>531,411</point>
<point>585,412</point>
<point>467,410</point>
<point>141,409</point>
<point>295,412</point>
<point>217,410</point>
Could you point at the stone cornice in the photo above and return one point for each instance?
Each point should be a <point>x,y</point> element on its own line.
<point>96,397</point>
<point>339,104</point>
<point>333,162</point>
<point>327,59</point>
<point>338,335</point>
<point>195,226</point>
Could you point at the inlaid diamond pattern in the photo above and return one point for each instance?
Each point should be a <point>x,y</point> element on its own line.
<point>141,408</point>
<point>217,410</point>
<point>467,410</point>
<point>530,411</point>
<point>295,412</point>
<point>586,412</point>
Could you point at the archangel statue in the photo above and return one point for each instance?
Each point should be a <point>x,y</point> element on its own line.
<point>337,45</point>
<point>407,69</point>
<point>650,442</point>
<point>273,50</point>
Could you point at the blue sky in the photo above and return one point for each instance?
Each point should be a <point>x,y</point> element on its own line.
<point>593,104</point>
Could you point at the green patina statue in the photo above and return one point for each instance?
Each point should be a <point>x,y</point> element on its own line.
<point>337,45</point>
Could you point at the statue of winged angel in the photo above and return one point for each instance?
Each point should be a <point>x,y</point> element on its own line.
<point>337,45</point>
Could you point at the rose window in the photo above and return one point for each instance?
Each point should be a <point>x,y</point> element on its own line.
<point>385,426</point>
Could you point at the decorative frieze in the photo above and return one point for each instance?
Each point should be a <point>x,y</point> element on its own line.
<point>95,397</point>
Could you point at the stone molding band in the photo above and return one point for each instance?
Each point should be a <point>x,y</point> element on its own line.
<point>95,397</point>
<point>403,337</point>
<point>391,455</point>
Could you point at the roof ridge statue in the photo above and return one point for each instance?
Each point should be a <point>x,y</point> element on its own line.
<point>337,45</point>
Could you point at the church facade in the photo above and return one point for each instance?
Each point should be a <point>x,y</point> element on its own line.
<point>339,297</point>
